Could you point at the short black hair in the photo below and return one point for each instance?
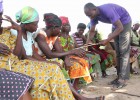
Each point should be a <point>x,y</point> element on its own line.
<point>89,5</point>
<point>81,25</point>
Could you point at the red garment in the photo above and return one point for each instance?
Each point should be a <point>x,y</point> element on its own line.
<point>103,54</point>
<point>64,20</point>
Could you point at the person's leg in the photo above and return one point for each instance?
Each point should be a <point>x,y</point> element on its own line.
<point>131,69</point>
<point>26,96</point>
<point>139,61</point>
<point>116,45</point>
<point>124,48</point>
<point>135,67</point>
<point>124,57</point>
<point>79,96</point>
<point>75,84</point>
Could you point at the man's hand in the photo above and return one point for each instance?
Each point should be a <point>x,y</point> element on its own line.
<point>104,42</point>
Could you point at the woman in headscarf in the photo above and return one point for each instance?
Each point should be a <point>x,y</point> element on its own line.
<point>49,81</point>
<point>10,81</point>
<point>47,41</point>
<point>79,66</point>
<point>80,40</point>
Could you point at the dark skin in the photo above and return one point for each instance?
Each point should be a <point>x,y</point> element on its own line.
<point>134,29</point>
<point>66,28</point>
<point>32,27</point>
<point>79,34</point>
<point>41,40</point>
<point>4,50</point>
<point>92,13</point>
<point>18,48</point>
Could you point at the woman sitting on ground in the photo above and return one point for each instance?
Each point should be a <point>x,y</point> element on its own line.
<point>9,90</point>
<point>106,58</point>
<point>80,40</point>
<point>49,81</point>
<point>47,39</point>
<point>135,49</point>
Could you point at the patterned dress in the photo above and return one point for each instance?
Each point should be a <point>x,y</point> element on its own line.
<point>50,41</point>
<point>94,59</point>
<point>79,66</point>
<point>49,83</point>
<point>13,85</point>
<point>135,49</point>
<point>106,58</point>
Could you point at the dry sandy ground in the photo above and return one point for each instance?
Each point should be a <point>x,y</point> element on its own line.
<point>100,87</point>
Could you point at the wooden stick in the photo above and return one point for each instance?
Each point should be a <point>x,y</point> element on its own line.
<point>87,45</point>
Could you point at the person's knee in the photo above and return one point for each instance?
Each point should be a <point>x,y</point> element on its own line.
<point>26,96</point>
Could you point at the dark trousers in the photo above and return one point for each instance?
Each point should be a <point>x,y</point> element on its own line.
<point>122,47</point>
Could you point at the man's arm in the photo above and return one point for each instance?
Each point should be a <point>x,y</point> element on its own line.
<point>117,31</point>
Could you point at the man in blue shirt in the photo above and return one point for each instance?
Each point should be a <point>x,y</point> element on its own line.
<point>121,26</point>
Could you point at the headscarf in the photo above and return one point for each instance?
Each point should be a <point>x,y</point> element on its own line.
<point>27,15</point>
<point>52,20</point>
<point>1,6</point>
<point>64,20</point>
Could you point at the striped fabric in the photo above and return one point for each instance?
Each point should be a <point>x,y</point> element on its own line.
<point>79,41</point>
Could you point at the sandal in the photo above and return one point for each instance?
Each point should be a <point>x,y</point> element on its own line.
<point>119,85</point>
<point>113,82</point>
<point>136,73</point>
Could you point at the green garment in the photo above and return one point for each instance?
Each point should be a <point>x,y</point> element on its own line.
<point>135,38</point>
<point>27,15</point>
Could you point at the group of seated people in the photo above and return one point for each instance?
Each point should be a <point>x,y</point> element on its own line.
<point>39,64</point>
<point>135,48</point>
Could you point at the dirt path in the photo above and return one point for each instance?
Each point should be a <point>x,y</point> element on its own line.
<point>100,87</point>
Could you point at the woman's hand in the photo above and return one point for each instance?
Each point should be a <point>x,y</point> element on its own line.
<point>67,62</point>
<point>4,49</point>
<point>13,24</point>
<point>79,52</point>
<point>54,62</point>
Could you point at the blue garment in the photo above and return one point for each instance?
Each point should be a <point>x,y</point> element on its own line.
<point>110,13</point>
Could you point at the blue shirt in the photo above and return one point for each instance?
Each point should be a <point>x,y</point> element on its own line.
<point>110,13</point>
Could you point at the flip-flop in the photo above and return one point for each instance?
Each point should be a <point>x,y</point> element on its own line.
<point>113,82</point>
<point>119,85</point>
<point>136,73</point>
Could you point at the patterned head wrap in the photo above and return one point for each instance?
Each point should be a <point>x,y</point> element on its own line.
<point>64,20</point>
<point>1,6</point>
<point>52,20</point>
<point>27,15</point>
